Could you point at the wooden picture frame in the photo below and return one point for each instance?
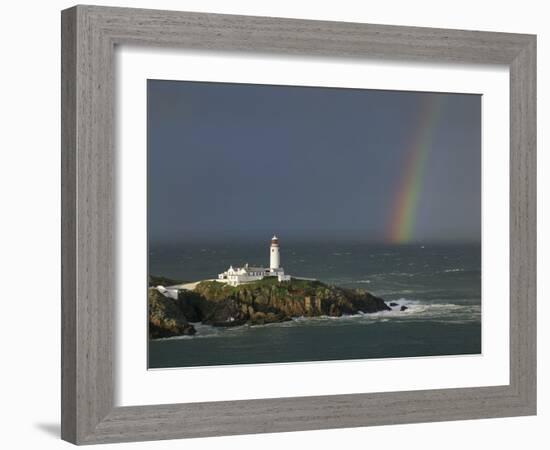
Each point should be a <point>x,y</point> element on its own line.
<point>89,37</point>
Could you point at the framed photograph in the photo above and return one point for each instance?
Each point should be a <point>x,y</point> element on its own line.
<point>285,216</point>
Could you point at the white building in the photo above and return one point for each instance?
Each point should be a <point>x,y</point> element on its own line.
<point>235,276</point>
<point>168,292</point>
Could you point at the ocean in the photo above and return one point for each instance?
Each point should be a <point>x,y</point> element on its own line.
<point>439,283</point>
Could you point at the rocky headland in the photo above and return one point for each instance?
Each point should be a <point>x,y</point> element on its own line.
<point>166,317</point>
<point>257,303</point>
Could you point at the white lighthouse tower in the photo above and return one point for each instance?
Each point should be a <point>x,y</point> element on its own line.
<point>274,257</point>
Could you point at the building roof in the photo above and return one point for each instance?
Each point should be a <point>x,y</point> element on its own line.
<point>255,269</point>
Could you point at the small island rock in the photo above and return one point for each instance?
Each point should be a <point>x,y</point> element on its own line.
<point>257,303</point>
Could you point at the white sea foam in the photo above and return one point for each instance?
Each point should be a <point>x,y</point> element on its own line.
<point>392,274</point>
<point>208,331</point>
<point>444,312</point>
<point>451,313</point>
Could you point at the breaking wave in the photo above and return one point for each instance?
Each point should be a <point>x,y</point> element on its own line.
<point>415,311</point>
<point>451,313</point>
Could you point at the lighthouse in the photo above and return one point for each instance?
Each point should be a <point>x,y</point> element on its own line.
<point>274,257</point>
<point>247,274</point>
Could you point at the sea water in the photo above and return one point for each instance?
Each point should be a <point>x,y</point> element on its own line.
<point>440,284</point>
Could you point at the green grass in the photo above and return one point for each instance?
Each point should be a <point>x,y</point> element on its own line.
<point>155,280</point>
<point>294,286</point>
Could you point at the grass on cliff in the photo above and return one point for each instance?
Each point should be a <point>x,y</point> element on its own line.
<point>155,280</point>
<point>307,287</point>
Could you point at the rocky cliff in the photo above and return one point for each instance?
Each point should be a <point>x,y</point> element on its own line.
<point>267,301</point>
<point>166,317</point>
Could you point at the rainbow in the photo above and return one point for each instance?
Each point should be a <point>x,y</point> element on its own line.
<point>405,201</point>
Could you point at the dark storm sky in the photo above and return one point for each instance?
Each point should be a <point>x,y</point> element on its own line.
<point>231,160</point>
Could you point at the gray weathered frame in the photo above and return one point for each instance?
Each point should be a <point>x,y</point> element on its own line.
<point>89,35</point>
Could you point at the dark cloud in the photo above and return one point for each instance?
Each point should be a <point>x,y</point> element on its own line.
<point>234,160</point>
